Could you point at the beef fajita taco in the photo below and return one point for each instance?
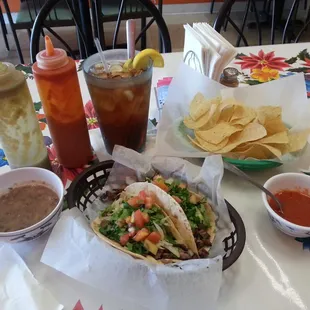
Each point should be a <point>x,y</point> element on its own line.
<point>197,210</point>
<point>137,224</point>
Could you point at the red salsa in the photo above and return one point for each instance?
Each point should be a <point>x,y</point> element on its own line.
<point>296,207</point>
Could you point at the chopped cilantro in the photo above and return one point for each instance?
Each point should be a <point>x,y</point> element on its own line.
<point>170,239</point>
<point>112,231</point>
<point>107,210</point>
<point>155,214</point>
<point>196,214</point>
<point>136,247</point>
<point>126,205</point>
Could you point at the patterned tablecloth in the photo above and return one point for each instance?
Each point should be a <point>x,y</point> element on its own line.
<point>256,65</point>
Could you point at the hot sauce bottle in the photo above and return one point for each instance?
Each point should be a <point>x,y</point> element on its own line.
<point>57,82</point>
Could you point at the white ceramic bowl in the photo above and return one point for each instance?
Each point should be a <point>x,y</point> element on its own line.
<point>292,181</point>
<point>24,175</point>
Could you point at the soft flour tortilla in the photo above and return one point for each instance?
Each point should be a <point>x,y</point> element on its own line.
<point>212,229</point>
<point>162,199</point>
<point>95,225</point>
<point>171,207</point>
<point>179,218</point>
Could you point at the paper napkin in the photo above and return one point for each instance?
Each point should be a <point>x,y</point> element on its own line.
<point>19,290</point>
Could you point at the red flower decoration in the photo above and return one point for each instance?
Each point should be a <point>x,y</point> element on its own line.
<point>42,124</point>
<point>262,60</point>
<point>91,117</point>
<point>79,306</point>
<point>307,64</point>
<point>65,174</point>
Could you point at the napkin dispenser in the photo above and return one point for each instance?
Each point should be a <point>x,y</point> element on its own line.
<point>206,51</point>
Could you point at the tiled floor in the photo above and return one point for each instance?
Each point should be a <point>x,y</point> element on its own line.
<point>175,25</point>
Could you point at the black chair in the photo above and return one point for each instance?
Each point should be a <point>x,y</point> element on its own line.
<point>118,10</point>
<point>79,11</point>
<point>4,30</point>
<point>58,17</point>
<point>289,33</point>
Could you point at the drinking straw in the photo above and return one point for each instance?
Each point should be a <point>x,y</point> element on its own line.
<point>101,55</point>
<point>130,36</point>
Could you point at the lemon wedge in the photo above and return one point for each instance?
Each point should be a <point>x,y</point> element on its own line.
<point>127,65</point>
<point>141,60</point>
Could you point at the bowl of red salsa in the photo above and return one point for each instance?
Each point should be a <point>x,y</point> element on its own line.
<point>293,191</point>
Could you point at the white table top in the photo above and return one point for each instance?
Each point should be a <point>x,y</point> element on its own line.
<point>273,271</point>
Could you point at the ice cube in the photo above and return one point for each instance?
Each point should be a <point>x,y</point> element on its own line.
<point>129,94</point>
<point>116,68</point>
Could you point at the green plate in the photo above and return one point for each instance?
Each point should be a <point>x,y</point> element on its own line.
<point>252,165</point>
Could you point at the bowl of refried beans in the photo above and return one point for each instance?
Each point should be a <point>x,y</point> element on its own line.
<point>31,200</point>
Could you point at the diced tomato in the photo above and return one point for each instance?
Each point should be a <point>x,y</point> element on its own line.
<point>182,185</point>
<point>161,185</point>
<point>177,199</point>
<point>124,239</point>
<point>141,235</point>
<point>146,217</point>
<point>139,219</point>
<point>154,237</point>
<point>135,202</point>
<point>142,195</point>
<point>148,202</point>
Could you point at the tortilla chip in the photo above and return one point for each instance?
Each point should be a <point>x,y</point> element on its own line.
<point>274,126</point>
<point>206,121</point>
<point>266,113</point>
<point>260,151</point>
<point>251,132</point>
<point>199,106</point>
<point>227,108</point>
<point>278,138</point>
<point>209,147</point>
<point>242,111</point>
<point>249,151</point>
<point>226,113</point>
<point>297,140</point>
<point>191,124</point>
<point>259,133</point>
<point>218,133</point>
<point>214,115</point>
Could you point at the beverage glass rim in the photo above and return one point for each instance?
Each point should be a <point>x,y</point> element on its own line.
<point>132,78</point>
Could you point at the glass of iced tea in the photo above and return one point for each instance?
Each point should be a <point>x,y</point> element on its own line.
<point>121,99</point>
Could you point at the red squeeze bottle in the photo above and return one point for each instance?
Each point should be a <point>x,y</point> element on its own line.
<point>57,82</point>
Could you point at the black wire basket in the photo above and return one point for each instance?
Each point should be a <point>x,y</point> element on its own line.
<point>86,186</point>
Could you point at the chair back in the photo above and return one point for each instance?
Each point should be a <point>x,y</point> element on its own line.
<point>129,9</point>
<point>84,32</point>
<point>290,33</point>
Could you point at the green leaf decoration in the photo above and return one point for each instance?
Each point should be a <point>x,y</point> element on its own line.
<point>291,60</point>
<point>65,203</point>
<point>253,82</point>
<point>239,55</point>
<point>24,68</point>
<point>154,121</point>
<point>303,55</point>
<point>300,69</point>
<point>38,106</point>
